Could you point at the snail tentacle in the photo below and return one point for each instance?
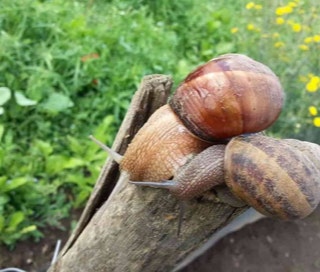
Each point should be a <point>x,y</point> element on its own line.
<point>114,155</point>
<point>165,184</point>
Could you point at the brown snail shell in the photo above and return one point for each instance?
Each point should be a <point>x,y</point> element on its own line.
<point>233,94</point>
<point>228,96</point>
<point>311,150</point>
<point>272,176</point>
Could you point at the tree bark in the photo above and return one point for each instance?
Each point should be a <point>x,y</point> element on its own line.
<point>126,228</point>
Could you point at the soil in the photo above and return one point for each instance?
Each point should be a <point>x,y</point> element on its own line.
<point>36,256</point>
<point>268,245</point>
<point>265,246</point>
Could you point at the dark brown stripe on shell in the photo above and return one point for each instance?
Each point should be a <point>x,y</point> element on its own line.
<point>251,172</point>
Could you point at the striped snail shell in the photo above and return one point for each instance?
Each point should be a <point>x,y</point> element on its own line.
<point>274,176</point>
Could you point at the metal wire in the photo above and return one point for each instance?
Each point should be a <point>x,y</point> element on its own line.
<point>54,259</point>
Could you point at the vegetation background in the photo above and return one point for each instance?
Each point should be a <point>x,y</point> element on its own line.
<point>69,69</point>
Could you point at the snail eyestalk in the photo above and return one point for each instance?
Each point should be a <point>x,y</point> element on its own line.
<point>114,155</point>
<point>166,184</point>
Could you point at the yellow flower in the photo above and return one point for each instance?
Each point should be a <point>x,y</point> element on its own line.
<point>250,5</point>
<point>283,10</point>
<point>258,7</point>
<point>251,27</point>
<point>279,21</point>
<point>308,40</point>
<point>316,121</point>
<point>313,110</point>
<point>316,38</point>
<point>296,27</point>
<point>234,30</point>
<point>304,47</point>
<point>313,84</point>
<point>279,44</point>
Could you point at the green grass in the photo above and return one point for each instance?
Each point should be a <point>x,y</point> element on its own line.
<point>69,68</point>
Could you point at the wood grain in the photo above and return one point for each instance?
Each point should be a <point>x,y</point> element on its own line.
<point>125,228</point>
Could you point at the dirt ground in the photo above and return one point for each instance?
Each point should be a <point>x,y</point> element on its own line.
<point>36,257</point>
<point>266,246</point>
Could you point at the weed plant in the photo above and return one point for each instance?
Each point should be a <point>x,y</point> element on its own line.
<point>69,68</point>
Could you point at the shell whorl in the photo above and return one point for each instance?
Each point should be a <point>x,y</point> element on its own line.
<point>272,176</point>
<point>228,96</point>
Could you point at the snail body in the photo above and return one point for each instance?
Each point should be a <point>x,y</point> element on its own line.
<point>160,147</point>
<point>199,174</point>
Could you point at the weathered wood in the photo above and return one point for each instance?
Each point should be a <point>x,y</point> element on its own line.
<point>135,229</point>
<point>153,92</point>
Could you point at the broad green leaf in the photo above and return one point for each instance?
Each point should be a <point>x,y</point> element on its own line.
<point>78,22</point>
<point>23,101</point>
<point>1,130</point>
<point>14,220</point>
<point>2,223</point>
<point>5,95</point>
<point>98,156</point>
<point>3,180</point>
<point>57,102</point>
<point>106,125</point>
<point>1,110</point>
<point>55,163</point>
<point>103,133</point>
<point>73,163</point>
<point>28,229</point>
<point>75,145</point>
<point>4,199</point>
<point>82,196</point>
<point>224,47</point>
<point>183,67</point>
<point>45,148</point>
<point>14,184</point>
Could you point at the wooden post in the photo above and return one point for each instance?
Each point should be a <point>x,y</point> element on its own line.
<point>126,228</point>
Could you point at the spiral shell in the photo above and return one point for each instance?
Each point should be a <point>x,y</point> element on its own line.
<point>273,176</point>
<point>228,96</point>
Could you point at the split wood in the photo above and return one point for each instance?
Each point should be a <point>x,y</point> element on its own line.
<point>126,228</point>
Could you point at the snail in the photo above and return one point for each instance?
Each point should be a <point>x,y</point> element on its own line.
<point>187,150</point>
<point>227,96</point>
<point>279,178</point>
<point>274,176</point>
